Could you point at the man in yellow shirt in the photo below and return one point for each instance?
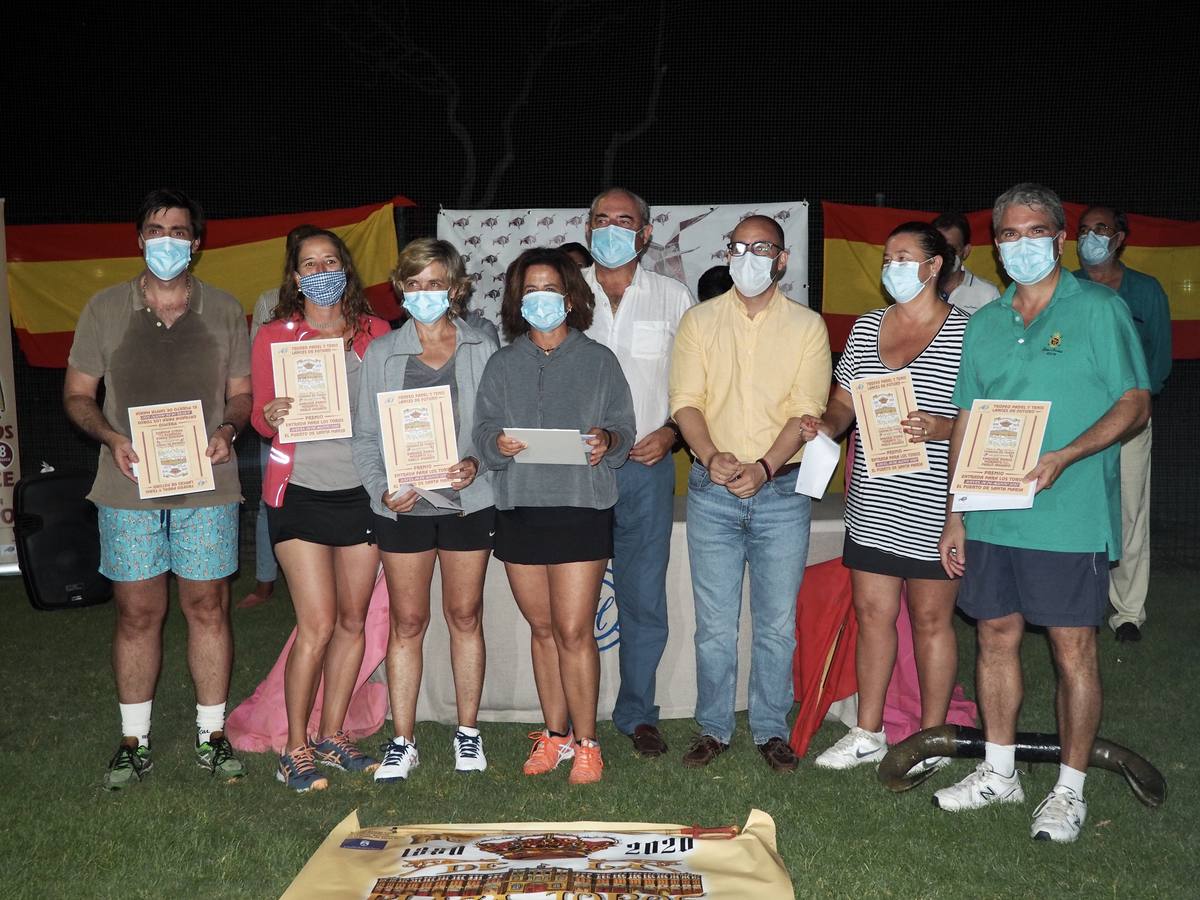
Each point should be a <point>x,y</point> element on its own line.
<point>745,367</point>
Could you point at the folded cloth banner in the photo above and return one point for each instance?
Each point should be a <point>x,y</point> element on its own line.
<point>546,859</point>
<point>854,237</point>
<point>53,270</point>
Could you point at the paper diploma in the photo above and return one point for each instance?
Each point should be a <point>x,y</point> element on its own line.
<point>552,446</point>
<point>313,374</point>
<point>419,443</point>
<point>171,442</point>
<point>1002,444</point>
<point>880,406</point>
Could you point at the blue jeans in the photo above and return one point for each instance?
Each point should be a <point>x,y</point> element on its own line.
<point>641,548</point>
<point>768,532</point>
<point>265,566</point>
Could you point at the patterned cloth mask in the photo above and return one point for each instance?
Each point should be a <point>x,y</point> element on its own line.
<point>324,288</point>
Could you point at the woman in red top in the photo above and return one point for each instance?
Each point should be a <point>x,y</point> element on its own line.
<point>318,513</point>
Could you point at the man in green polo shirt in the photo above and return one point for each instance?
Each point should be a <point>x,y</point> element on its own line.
<point>1050,336</point>
<point>1102,234</point>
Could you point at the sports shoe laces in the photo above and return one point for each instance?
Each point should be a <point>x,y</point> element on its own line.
<point>468,745</point>
<point>222,752</point>
<point>393,753</point>
<point>1058,808</point>
<point>341,740</point>
<point>300,761</point>
<point>126,758</point>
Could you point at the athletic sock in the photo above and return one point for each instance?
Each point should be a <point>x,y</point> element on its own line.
<point>469,731</point>
<point>135,721</point>
<point>208,720</point>
<point>1001,757</point>
<point>1071,778</point>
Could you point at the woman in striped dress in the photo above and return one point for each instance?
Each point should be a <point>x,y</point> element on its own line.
<point>893,522</point>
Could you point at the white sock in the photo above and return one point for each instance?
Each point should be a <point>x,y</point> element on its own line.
<point>469,731</point>
<point>135,721</point>
<point>1071,778</point>
<point>208,720</point>
<point>1001,757</point>
<point>401,739</point>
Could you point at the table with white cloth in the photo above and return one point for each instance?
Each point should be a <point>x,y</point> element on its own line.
<point>509,693</point>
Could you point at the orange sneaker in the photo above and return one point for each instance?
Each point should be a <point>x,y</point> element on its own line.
<point>547,752</point>
<point>588,763</point>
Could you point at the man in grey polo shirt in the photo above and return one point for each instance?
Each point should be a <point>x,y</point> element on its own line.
<point>637,313</point>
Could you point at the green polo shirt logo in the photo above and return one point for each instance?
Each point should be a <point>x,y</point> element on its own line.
<point>1052,345</point>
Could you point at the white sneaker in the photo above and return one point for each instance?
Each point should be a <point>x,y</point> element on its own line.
<point>399,758</point>
<point>856,748</point>
<point>928,766</point>
<point>981,788</point>
<point>468,753</point>
<point>1059,817</point>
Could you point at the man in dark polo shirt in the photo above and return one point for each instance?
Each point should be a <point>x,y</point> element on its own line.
<point>1050,337</point>
<point>164,337</point>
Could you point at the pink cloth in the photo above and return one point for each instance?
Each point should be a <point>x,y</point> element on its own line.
<point>902,706</point>
<point>259,723</point>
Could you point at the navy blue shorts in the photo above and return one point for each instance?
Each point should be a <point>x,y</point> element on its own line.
<point>1047,587</point>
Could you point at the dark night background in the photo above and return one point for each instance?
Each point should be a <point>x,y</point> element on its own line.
<point>256,109</point>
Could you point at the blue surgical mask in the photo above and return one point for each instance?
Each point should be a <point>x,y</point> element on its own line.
<point>1028,260</point>
<point>903,279</point>
<point>324,288</point>
<point>1093,248</point>
<point>751,274</point>
<point>166,257</point>
<point>544,310</point>
<point>613,246</point>
<point>426,306</point>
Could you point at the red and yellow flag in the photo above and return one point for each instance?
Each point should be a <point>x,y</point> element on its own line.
<point>854,237</point>
<point>53,270</point>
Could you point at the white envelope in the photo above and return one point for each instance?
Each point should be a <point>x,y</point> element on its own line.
<point>552,446</point>
<point>817,466</point>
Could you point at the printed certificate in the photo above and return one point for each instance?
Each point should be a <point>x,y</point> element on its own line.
<point>313,374</point>
<point>881,405</point>
<point>171,441</point>
<point>419,443</point>
<point>1002,444</point>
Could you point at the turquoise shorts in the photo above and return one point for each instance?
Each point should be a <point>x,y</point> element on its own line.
<point>197,544</point>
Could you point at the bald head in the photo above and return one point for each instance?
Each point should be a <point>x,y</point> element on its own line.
<point>759,228</point>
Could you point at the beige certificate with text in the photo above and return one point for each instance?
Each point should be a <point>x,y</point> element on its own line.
<point>1002,444</point>
<point>171,443</point>
<point>419,443</point>
<point>313,374</point>
<point>881,405</point>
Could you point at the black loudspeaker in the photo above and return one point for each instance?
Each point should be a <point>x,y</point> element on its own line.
<point>58,542</point>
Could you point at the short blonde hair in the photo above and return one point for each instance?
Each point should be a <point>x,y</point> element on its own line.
<point>423,252</point>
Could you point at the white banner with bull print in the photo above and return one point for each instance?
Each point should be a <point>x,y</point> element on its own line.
<point>685,243</point>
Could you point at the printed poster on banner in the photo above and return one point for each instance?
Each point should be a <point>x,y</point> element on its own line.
<point>10,459</point>
<point>686,241</point>
<point>594,860</point>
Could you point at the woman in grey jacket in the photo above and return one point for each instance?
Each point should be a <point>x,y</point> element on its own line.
<point>435,347</point>
<point>554,522</point>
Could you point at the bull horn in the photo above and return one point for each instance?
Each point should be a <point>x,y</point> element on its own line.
<point>1146,782</point>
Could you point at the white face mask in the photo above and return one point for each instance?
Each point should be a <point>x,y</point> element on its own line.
<point>751,274</point>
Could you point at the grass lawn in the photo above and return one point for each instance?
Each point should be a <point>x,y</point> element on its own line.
<point>181,834</point>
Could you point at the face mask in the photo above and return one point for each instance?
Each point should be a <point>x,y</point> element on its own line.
<point>166,257</point>
<point>751,274</point>
<point>426,306</point>
<point>957,263</point>
<point>613,246</point>
<point>324,288</point>
<point>544,310</point>
<point>903,281</point>
<point>1028,260</point>
<point>1093,248</point>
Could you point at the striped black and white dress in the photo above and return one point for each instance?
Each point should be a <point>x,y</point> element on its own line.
<point>903,514</point>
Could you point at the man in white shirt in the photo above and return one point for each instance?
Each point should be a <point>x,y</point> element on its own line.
<point>636,316</point>
<point>963,288</point>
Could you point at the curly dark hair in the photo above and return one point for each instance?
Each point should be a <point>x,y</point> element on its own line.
<point>354,301</point>
<point>580,300</point>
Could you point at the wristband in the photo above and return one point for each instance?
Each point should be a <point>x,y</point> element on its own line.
<point>230,424</point>
<point>766,468</point>
<point>675,428</point>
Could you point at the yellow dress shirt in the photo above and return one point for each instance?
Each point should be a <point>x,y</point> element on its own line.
<point>749,376</point>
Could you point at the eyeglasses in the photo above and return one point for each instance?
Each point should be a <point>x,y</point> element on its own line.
<point>758,248</point>
<point>1102,228</point>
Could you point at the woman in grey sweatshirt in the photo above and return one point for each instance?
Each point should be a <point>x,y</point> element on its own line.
<point>554,522</point>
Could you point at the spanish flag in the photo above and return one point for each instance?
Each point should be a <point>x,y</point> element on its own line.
<point>53,270</point>
<point>854,238</point>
